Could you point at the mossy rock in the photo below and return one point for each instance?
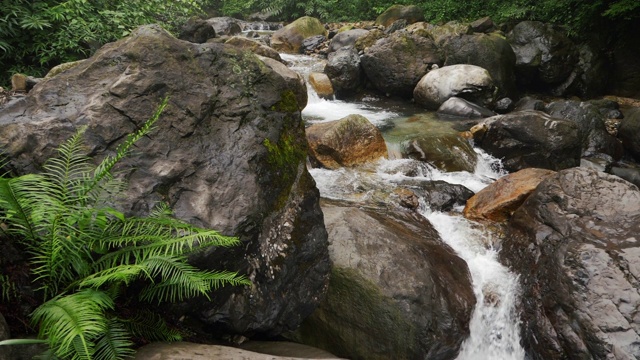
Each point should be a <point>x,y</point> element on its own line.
<point>289,39</point>
<point>410,13</point>
<point>63,67</point>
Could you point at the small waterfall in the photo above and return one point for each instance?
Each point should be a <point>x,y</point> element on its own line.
<point>494,326</point>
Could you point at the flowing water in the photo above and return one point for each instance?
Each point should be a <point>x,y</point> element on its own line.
<point>494,324</point>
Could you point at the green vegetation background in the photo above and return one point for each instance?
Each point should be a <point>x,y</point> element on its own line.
<point>36,35</point>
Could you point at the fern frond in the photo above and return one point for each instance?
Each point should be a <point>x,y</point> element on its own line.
<point>104,168</point>
<point>180,280</point>
<point>122,274</point>
<point>115,343</point>
<point>151,326</point>
<point>17,200</point>
<point>72,322</point>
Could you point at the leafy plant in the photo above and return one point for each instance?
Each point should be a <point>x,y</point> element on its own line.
<point>84,253</point>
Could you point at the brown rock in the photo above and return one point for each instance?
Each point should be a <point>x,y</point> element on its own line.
<point>19,82</point>
<point>253,46</point>
<point>499,200</point>
<point>321,84</point>
<point>349,141</point>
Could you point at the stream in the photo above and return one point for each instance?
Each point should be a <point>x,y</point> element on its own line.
<point>494,326</point>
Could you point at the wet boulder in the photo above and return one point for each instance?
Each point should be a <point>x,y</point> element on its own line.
<point>225,25</point>
<point>321,84</point>
<point>545,57</point>
<point>458,107</point>
<point>591,125</point>
<point>530,138</point>
<point>228,153</point>
<point>396,292</point>
<point>629,133</point>
<point>197,30</point>
<point>350,141</point>
<point>344,70</point>
<point>294,81</point>
<point>313,43</point>
<point>254,46</point>
<point>437,194</point>
<point>574,243</point>
<point>289,39</point>
<point>469,82</point>
<point>395,64</point>
<point>500,199</point>
<point>445,151</point>
<point>488,51</point>
<point>346,38</point>
<point>409,13</point>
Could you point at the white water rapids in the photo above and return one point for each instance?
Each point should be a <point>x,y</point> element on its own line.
<point>494,324</point>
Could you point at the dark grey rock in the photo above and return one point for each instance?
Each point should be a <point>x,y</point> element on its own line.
<point>344,70</point>
<point>207,159</point>
<point>483,25</point>
<point>197,30</point>
<point>395,64</point>
<point>544,56</point>
<point>489,51</point>
<point>384,263</point>
<point>225,25</point>
<point>591,124</point>
<point>530,138</point>
<point>312,43</point>
<point>629,133</point>
<point>574,243</point>
<point>346,38</point>
<point>504,106</point>
<point>529,103</point>
<point>456,106</point>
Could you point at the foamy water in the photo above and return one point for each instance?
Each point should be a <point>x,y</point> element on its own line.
<point>494,326</point>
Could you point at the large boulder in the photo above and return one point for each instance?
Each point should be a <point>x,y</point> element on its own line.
<point>530,138</point>
<point>396,292</point>
<point>629,133</point>
<point>591,125</point>
<point>469,82</point>
<point>395,64</point>
<point>409,13</point>
<point>445,151</point>
<point>253,46</point>
<point>197,30</point>
<point>228,153</point>
<point>344,70</point>
<point>350,141</point>
<point>225,25</point>
<point>544,56</point>
<point>488,51</point>
<point>289,39</point>
<point>574,243</point>
<point>346,38</point>
<point>501,198</point>
<point>186,350</point>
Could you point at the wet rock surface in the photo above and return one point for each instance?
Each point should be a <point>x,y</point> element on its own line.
<point>469,82</point>
<point>228,153</point>
<point>384,263</point>
<point>530,138</point>
<point>574,243</point>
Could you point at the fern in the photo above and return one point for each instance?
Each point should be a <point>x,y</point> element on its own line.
<point>83,252</point>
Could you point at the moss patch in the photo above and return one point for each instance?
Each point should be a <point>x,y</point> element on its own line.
<point>359,322</point>
<point>288,103</point>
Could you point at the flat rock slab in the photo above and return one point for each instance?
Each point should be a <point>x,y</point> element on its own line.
<point>191,351</point>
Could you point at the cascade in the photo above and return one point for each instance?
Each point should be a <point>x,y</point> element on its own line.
<point>494,326</point>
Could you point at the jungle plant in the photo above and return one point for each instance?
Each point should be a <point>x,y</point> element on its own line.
<point>84,254</point>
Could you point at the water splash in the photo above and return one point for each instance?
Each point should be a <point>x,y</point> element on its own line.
<point>494,326</point>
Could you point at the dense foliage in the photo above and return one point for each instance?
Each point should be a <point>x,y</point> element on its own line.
<point>577,15</point>
<point>37,35</point>
<point>84,255</point>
